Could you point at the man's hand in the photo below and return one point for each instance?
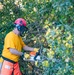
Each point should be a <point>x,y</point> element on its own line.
<point>36,49</point>
<point>27,56</point>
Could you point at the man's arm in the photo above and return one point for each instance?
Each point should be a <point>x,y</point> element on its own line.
<point>26,48</point>
<point>16,52</point>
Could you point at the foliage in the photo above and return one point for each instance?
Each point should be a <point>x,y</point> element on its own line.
<point>50,23</point>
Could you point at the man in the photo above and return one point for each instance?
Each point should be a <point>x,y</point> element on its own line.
<point>13,44</point>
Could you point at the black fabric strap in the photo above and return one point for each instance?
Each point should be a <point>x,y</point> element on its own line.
<point>8,60</point>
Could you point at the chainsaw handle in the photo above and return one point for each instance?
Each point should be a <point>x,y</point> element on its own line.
<point>39,52</point>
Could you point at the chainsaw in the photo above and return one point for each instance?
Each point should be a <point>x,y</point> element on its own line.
<point>34,56</point>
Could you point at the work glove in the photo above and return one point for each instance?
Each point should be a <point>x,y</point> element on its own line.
<point>25,56</point>
<point>36,49</point>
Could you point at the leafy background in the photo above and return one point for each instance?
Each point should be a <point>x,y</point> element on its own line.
<point>50,23</point>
